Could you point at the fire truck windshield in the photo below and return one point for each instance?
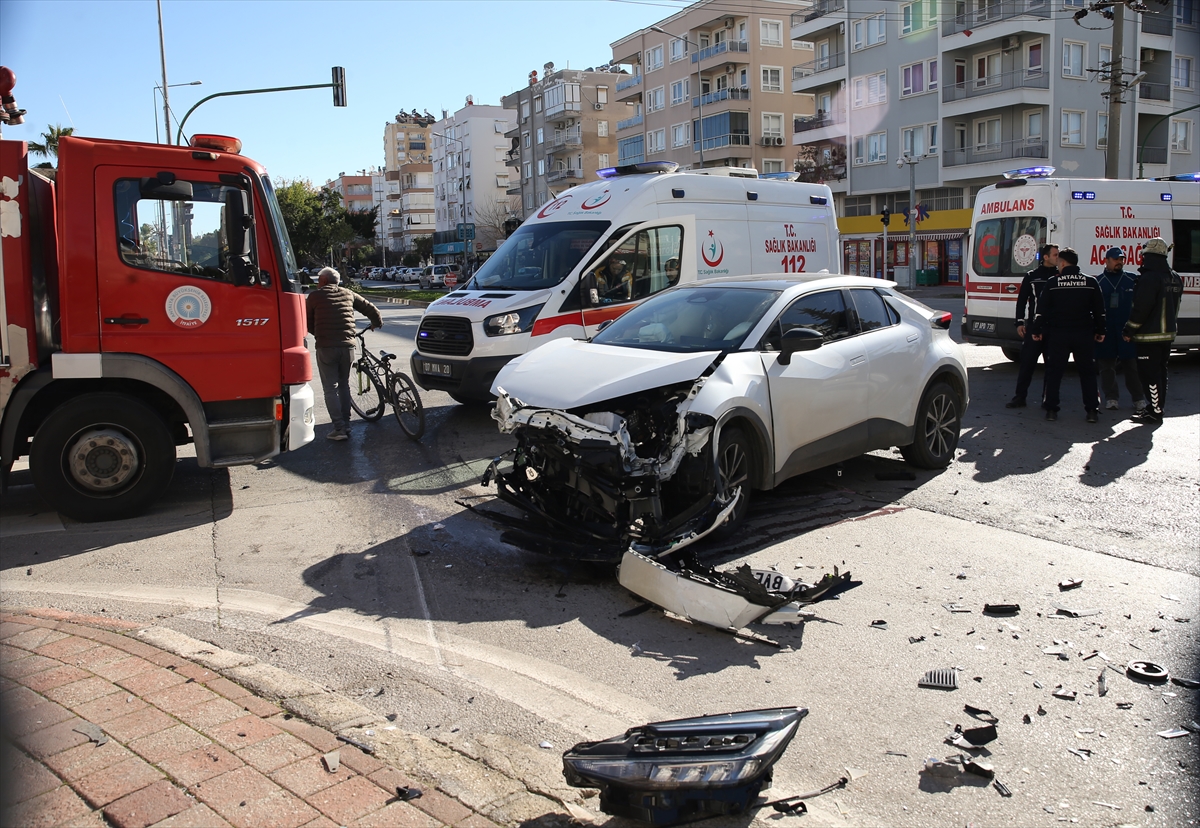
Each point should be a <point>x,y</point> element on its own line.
<point>1007,247</point>
<point>281,232</point>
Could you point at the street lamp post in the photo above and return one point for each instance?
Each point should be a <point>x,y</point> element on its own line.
<point>912,162</point>
<point>699,87</point>
<point>155,93</point>
<point>462,166</point>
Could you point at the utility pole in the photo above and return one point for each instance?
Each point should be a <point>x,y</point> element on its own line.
<point>912,162</point>
<point>1116,91</point>
<point>162,54</point>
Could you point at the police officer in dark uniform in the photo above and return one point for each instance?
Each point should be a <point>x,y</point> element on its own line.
<point>1027,299</point>
<point>1153,323</point>
<point>1117,285</point>
<point>1070,318</point>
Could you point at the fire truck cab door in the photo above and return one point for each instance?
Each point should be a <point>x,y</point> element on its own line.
<point>170,289</point>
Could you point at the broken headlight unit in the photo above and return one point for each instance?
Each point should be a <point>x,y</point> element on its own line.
<point>669,772</point>
<point>511,322</point>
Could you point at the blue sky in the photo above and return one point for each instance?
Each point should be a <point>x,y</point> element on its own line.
<point>95,64</point>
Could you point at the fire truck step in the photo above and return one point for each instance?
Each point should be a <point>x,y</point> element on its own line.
<point>241,422</point>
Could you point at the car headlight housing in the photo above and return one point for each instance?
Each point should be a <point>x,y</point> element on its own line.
<point>511,322</point>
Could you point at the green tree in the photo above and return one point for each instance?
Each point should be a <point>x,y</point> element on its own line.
<point>424,247</point>
<point>48,148</point>
<point>317,221</point>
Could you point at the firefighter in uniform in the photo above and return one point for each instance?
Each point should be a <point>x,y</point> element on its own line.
<point>1152,325</point>
<point>1027,298</point>
<point>1070,319</point>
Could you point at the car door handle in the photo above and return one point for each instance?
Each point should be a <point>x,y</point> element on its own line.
<point>914,337</point>
<point>125,320</point>
<point>858,360</point>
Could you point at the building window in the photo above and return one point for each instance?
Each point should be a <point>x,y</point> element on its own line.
<point>870,149</point>
<point>943,198</point>
<point>772,125</point>
<point>656,141</point>
<point>602,129</point>
<point>541,136</point>
<point>1182,76</point>
<point>772,165</point>
<point>1072,128</point>
<point>772,79</point>
<point>1184,12</point>
<point>1181,135</point>
<point>679,49</point>
<point>524,110</point>
<point>857,206</point>
<point>679,91</point>
<point>528,170</point>
<point>917,15</point>
<point>502,180</point>
<point>931,131</point>
<point>654,58</point>
<point>541,166</point>
<point>602,94</point>
<point>602,160</point>
<point>870,90</point>
<point>1074,59</point>
<point>987,70</point>
<point>1101,130</point>
<point>987,134</point>
<point>681,134</point>
<point>631,150</point>
<point>916,78</point>
<point>525,140</point>
<point>537,104</point>
<point>1033,59</point>
<point>770,32</point>
<point>655,99</point>
<point>912,141</point>
<point>869,31</point>
<point>1033,126</point>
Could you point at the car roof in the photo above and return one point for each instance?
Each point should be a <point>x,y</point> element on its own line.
<point>784,281</point>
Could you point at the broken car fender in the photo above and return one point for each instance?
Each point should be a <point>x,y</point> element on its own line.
<point>737,390</point>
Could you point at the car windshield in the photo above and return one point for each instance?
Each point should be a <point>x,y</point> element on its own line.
<point>538,255</point>
<point>692,319</point>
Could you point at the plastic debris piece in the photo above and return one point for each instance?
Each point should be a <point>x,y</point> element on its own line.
<point>916,639</point>
<point>879,625</point>
<point>1192,727</point>
<point>978,736</point>
<point>980,713</point>
<point>1061,692</point>
<point>1090,655</point>
<point>1147,672</point>
<point>581,815</point>
<point>1074,613</point>
<point>943,767</point>
<point>945,679</point>
<point>855,773</point>
<point>1070,583</point>
<point>1001,609</point>
<point>1102,682</point>
<point>1002,788</point>
<point>979,768</point>
<point>1191,684</point>
<point>92,732</point>
<point>363,746</point>
<point>1124,705</point>
<point>956,608</point>
<point>437,527</point>
<point>1173,733</point>
<point>1027,719</point>
<point>1082,753</point>
<point>895,753</point>
<point>636,649</point>
<point>408,794</point>
<point>1172,597</point>
<point>1107,805</point>
<point>332,761</point>
<point>1038,685</point>
<point>545,745</point>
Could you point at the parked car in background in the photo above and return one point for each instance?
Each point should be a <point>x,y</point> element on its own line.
<point>435,275</point>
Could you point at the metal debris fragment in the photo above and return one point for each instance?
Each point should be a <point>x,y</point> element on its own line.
<point>1070,583</point>
<point>92,732</point>
<point>332,761</point>
<point>945,679</point>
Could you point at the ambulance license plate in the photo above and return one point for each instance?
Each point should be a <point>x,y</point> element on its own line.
<point>441,369</point>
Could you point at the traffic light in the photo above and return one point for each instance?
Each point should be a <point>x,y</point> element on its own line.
<point>339,86</point>
<point>887,217</point>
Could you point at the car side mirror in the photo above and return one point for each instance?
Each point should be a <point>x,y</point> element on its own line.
<point>796,340</point>
<point>605,323</point>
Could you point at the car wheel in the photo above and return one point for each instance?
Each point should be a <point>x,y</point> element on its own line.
<point>935,433</point>
<point>102,457</point>
<point>1012,354</point>
<point>734,458</point>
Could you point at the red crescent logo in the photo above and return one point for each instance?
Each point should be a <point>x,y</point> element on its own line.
<point>717,248</point>
<point>989,252</point>
<point>604,196</point>
<point>553,207</point>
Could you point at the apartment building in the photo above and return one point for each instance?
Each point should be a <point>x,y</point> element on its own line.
<point>565,131</point>
<point>470,179</point>
<point>973,88</point>
<point>408,158</point>
<point>708,86</point>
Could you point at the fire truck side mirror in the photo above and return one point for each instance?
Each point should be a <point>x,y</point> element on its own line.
<point>238,223</point>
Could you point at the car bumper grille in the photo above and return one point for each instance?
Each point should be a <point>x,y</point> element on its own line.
<point>445,335</point>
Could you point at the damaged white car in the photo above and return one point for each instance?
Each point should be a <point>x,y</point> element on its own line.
<point>655,433</point>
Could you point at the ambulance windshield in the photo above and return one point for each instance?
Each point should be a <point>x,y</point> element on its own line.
<point>539,255</point>
<point>1007,247</point>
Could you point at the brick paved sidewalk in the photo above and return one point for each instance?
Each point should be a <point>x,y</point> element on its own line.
<point>184,746</point>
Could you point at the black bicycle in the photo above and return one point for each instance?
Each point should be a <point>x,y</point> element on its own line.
<point>374,384</point>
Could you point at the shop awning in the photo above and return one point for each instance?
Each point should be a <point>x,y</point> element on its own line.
<point>957,234</point>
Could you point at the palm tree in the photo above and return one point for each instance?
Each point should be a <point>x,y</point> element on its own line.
<point>49,147</point>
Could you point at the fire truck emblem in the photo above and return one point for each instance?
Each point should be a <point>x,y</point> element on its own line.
<point>188,306</point>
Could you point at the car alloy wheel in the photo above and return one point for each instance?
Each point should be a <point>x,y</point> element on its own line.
<point>937,426</point>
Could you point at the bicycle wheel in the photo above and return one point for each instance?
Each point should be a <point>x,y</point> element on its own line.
<point>366,394</point>
<point>406,405</point>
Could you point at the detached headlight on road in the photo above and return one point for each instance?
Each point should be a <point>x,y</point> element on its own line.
<point>677,771</point>
<point>511,322</point>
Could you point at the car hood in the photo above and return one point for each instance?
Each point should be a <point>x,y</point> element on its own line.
<point>567,373</point>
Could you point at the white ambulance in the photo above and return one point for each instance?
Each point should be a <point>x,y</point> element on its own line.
<point>600,248</point>
<point>1014,217</point>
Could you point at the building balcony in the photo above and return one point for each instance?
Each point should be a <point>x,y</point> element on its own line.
<point>571,137</point>
<point>808,21</point>
<point>987,12</point>
<point>735,93</point>
<point>1154,92</point>
<point>628,82</point>
<point>1020,79</point>
<point>1159,21</point>
<point>512,159</point>
<point>636,120</point>
<point>717,49</point>
<point>631,159</point>
<point>816,129</point>
<point>811,74</point>
<point>716,142</point>
<point>514,189</point>
<point>983,153</point>
<point>564,175</point>
<point>1154,155</point>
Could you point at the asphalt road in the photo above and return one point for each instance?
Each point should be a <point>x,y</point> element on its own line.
<point>352,564</point>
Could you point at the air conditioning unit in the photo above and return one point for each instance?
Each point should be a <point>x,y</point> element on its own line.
<point>599,107</point>
<point>728,22</point>
<point>1148,55</point>
<point>779,142</point>
<point>1009,43</point>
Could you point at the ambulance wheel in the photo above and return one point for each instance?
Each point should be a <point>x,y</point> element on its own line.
<point>1012,354</point>
<point>102,457</point>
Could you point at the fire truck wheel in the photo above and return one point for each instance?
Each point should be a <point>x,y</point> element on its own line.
<point>102,457</point>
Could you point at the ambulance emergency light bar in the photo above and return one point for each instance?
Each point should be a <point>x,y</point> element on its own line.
<point>638,169</point>
<point>1030,172</point>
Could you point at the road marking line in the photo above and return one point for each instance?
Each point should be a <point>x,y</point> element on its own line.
<point>433,642</point>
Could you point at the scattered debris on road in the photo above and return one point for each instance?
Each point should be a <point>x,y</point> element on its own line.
<point>945,679</point>
<point>1146,672</point>
<point>1070,583</point>
<point>332,761</point>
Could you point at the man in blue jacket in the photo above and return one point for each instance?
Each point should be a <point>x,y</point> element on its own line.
<point>1070,316</point>
<point>1117,285</point>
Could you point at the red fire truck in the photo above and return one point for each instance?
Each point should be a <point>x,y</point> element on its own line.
<point>148,299</point>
